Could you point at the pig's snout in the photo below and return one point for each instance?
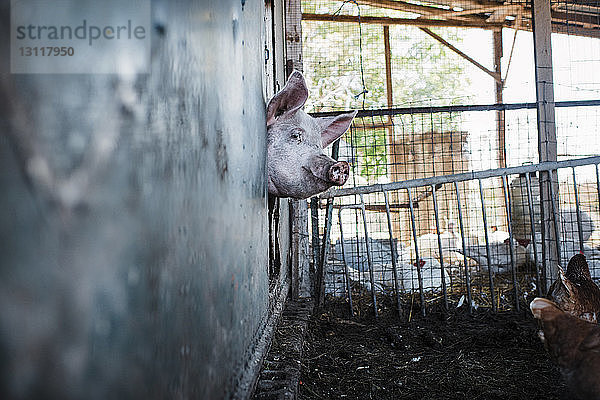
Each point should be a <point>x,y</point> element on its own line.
<point>338,173</point>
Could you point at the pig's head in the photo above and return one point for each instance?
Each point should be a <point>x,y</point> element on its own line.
<point>297,165</point>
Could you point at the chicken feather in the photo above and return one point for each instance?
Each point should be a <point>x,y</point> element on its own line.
<point>575,292</point>
<point>574,344</point>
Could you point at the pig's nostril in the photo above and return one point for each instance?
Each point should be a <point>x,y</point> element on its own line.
<point>338,173</point>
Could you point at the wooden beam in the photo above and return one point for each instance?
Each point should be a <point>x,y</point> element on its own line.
<point>500,14</point>
<point>370,126</point>
<point>519,19</point>
<point>389,90</point>
<point>574,12</point>
<point>391,148</point>
<point>494,75</point>
<point>575,30</point>
<point>425,22</point>
<point>512,49</point>
<point>471,4</point>
<point>401,6</point>
<point>587,19</point>
<point>477,10</point>
<point>388,66</point>
<point>415,8</point>
<point>497,8</point>
<point>421,22</point>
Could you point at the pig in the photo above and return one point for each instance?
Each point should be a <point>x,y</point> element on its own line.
<point>296,163</point>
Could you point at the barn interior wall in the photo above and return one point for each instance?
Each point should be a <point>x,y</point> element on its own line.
<point>133,220</point>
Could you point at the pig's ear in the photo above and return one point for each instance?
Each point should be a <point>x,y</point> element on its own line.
<point>334,127</point>
<point>289,99</point>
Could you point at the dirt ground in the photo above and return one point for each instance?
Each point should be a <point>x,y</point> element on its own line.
<point>445,355</point>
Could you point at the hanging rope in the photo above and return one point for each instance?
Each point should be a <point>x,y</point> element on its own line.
<point>360,51</point>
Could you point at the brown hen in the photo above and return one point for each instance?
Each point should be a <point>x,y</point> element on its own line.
<point>574,344</point>
<point>575,292</point>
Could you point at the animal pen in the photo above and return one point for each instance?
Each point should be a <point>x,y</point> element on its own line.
<point>474,167</point>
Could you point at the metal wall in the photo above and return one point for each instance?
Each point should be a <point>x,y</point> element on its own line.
<point>133,215</point>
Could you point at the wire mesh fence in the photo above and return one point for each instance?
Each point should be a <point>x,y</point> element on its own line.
<point>456,242</point>
<point>453,93</point>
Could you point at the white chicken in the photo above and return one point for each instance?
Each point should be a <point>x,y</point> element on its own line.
<point>355,258</point>
<point>570,228</point>
<point>451,243</point>
<point>500,257</point>
<point>431,275</point>
<point>497,236</point>
<point>407,275</point>
<point>428,243</point>
<point>569,235</point>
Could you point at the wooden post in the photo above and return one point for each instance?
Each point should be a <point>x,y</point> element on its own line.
<point>390,103</point>
<point>499,87</point>
<point>542,31</point>
<point>393,156</point>
<point>499,217</point>
<point>388,68</point>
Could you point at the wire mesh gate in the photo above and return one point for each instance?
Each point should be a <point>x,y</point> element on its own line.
<point>489,273</point>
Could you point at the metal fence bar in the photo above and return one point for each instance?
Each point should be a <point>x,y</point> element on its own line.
<point>555,216</point>
<point>437,227</point>
<point>577,210</point>
<point>369,259</point>
<point>544,232</point>
<point>394,255</point>
<point>502,173</point>
<point>346,273</point>
<point>465,176</point>
<point>320,281</point>
<point>513,264</point>
<point>418,259</point>
<point>533,240</point>
<point>487,248</point>
<point>456,108</point>
<point>314,212</point>
<point>464,246</point>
